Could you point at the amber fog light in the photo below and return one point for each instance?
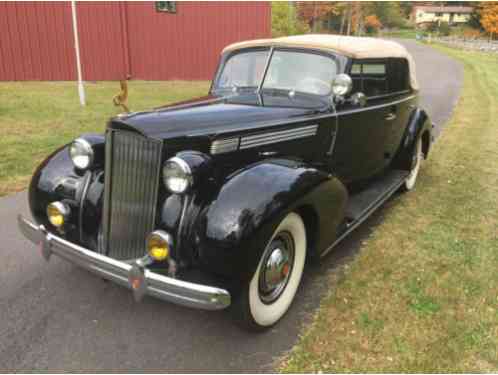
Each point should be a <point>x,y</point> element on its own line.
<point>159,245</point>
<point>58,213</point>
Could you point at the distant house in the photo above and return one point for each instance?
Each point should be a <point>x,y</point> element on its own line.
<point>423,15</point>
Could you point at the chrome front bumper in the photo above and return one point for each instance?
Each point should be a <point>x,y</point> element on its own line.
<point>141,280</point>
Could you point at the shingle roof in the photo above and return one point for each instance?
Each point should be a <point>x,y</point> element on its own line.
<point>445,9</point>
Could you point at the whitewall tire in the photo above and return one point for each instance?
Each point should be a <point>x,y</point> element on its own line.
<point>271,290</point>
<point>410,181</point>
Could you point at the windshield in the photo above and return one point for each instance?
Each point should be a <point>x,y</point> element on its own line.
<point>288,70</point>
<point>244,70</point>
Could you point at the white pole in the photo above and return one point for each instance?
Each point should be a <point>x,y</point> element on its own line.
<point>81,88</point>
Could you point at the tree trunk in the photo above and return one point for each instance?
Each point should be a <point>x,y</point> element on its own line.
<point>350,16</point>
<point>343,21</point>
<point>314,18</point>
<point>358,19</point>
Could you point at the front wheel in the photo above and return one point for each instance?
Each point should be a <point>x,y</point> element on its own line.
<point>270,292</point>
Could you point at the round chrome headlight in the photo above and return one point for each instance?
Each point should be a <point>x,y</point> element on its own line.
<point>81,153</point>
<point>342,85</point>
<point>177,175</point>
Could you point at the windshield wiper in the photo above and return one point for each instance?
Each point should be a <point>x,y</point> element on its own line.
<point>273,91</point>
<point>236,88</point>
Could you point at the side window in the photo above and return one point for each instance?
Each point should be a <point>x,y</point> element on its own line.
<point>374,79</point>
<point>398,75</point>
<point>356,77</point>
<point>369,78</point>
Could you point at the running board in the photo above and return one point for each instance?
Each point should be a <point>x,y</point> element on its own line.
<point>364,203</point>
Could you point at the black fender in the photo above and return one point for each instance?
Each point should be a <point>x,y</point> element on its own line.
<point>233,230</point>
<point>56,179</point>
<point>419,126</point>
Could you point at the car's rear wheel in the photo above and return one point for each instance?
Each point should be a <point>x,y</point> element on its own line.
<point>417,156</point>
<point>270,292</point>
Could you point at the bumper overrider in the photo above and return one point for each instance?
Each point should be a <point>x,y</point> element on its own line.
<point>139,279</point>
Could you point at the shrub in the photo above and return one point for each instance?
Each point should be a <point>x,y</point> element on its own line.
<point>444,29</point>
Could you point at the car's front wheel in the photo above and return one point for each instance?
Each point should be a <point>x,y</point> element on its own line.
<point>271,290</point>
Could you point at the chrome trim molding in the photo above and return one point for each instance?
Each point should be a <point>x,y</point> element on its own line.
<point>249,141</point>
<point>152,284</point>
<point>277,136</point>
<point>88,178</point>
<point>221,146</point>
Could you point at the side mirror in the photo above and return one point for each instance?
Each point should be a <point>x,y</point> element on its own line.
<point>358,99</point>
<point>342,84</point>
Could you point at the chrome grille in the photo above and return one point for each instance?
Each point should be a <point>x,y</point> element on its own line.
<point>132,170</point>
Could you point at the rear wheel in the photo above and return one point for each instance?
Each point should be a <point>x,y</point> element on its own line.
<point>270,292</point>
<point>417,156</point>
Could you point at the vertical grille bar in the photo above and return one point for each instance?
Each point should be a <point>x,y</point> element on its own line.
<point>132,172</point>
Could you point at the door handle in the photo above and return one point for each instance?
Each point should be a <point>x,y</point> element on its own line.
<point>390,116</point>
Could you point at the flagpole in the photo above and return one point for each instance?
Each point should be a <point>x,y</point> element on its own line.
<point>81,88</point>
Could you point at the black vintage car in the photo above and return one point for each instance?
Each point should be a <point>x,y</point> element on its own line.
<point>218,201</point>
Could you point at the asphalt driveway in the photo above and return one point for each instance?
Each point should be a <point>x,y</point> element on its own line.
<point>55,316</point>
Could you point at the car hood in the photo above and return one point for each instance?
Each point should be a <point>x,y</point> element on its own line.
<point>217,114</point>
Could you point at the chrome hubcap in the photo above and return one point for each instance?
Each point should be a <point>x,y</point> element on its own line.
<point>276,267</point>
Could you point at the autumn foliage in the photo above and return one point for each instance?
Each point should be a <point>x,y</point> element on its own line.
<point>372,23</point>
<point>309,11</point>
<point>489,17</point>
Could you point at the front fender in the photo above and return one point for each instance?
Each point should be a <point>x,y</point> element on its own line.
<point>56,179</point>
<point>45,181</point>
<point>233,230</point>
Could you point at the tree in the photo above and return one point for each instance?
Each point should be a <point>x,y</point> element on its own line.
<point>444,29</point>
<point>372,24</point>
<point>284,20</point>
<point>312,11</point>
<point>475,18</point>
<point>406,8</point>
<point>489,17</point>
<point>389,13</point>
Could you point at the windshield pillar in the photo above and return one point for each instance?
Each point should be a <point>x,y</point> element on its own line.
<point>268,60</point>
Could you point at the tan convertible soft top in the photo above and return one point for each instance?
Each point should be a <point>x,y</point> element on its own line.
<point>351,46</point>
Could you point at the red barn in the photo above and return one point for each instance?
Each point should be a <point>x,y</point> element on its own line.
<point>160,40</point>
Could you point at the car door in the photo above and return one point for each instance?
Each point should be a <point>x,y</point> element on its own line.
<point>403,103</point>
<point>361,135</point>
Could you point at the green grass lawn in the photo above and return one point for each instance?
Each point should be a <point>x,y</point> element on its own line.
<point>422,296</point>
<point>38,117</point>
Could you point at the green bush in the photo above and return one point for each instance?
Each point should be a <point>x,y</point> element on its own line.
<point>444,29</point>
<point>284,20</point>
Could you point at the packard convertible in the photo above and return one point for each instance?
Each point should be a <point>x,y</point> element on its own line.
<point>219,201</point>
